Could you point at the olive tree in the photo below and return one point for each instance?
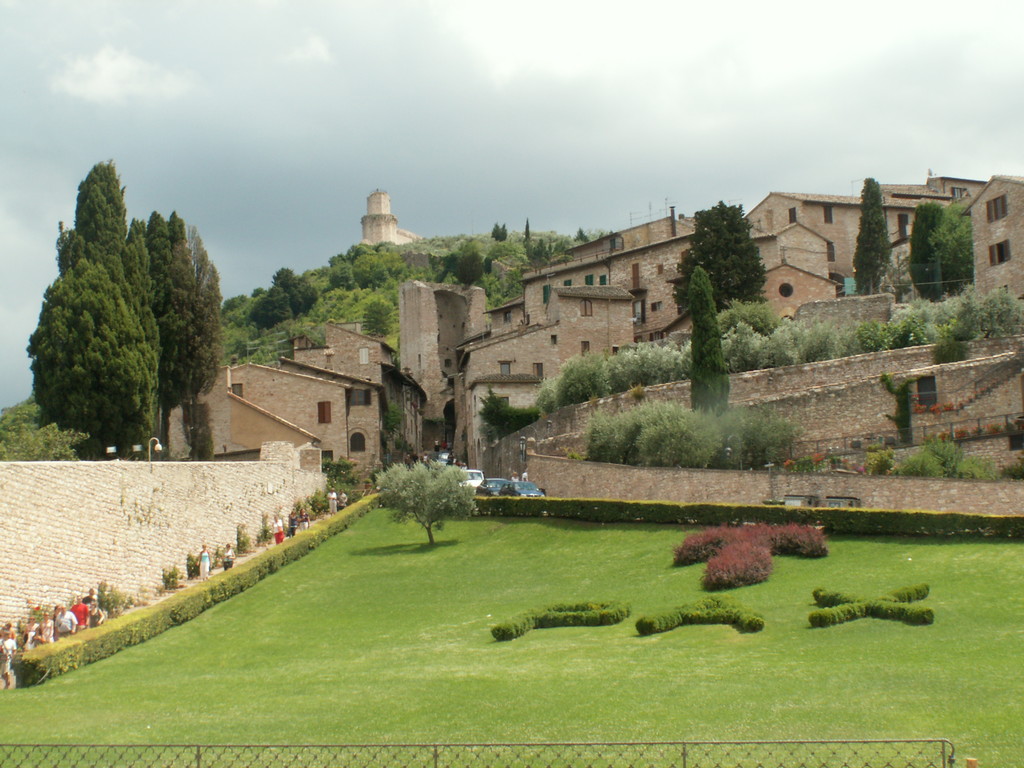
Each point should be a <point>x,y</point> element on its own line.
<point>427,494</point>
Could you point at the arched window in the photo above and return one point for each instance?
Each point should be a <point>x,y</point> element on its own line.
<point>357,442</point>
<point>586,308</point>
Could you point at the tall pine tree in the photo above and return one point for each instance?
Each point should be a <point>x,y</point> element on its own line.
<point>93,360</point>
<point>721,245</point>
<point>709,377</point>
<point>871,256</point>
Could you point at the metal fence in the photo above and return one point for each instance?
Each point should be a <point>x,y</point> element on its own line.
<point>916,753</point>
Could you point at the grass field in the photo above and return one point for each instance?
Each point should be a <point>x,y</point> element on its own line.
<point>377,638</point>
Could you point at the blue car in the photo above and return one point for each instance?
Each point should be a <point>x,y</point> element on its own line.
<point>492,486</point>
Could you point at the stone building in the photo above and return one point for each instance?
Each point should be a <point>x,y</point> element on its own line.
<point>380,225</point>
<point>341,397</point>
<point>836,220</point>
<point>997,218</point>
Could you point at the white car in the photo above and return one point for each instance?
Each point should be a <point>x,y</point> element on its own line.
<point>473,477</point>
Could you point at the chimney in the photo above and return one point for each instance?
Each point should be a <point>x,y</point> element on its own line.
<point>672,215</point>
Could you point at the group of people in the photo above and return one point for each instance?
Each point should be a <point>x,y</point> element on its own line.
<point>516,478</point>
<point>43,628</point>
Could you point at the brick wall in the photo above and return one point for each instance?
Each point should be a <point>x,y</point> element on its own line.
<point>848,310</point>
<point>66,526</point>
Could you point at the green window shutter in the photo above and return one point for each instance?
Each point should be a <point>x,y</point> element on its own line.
<point>589,280</point>
<point>547,293</point>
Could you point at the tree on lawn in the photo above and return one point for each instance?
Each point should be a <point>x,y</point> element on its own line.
<point>925,266</point>
<point>427,494</point>
<point>723,248</point>
<point>93,361</point>
<point>871,256</point>
<point>709,377</point>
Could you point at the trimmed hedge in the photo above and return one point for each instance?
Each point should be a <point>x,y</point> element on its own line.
<point>144,623</point>
<point>710,610</point>
<point>838,608</point>
<point>561,615</point>
<point>838,520</point>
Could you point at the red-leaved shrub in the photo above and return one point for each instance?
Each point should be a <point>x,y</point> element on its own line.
<point>796,539</point>
<point>738,564</point>
<point>740,555</point>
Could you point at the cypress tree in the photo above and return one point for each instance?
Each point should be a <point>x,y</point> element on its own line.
<point>871,256</point>
<point>202,347</point>
<point>94,366</point>
<point>925,267</point>
<point>171,282</point>
<point>709,377</point>
<point>723,248</point>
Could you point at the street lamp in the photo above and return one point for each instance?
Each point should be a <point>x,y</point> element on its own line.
<point>154,445</point>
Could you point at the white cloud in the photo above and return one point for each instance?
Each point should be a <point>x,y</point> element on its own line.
<point>313,50</point>
<point>113,76</point>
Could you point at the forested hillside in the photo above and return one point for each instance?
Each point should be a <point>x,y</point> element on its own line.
<point>361,284</point>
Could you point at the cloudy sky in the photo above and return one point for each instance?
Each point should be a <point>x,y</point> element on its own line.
<point>267,123</point>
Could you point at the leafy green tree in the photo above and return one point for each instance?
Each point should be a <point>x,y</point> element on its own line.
<point>270,308</point>
<point>94,367</point>
<point>759,315</point>
<point>708,372</point>
<point>925,265</point>
<point>526,231</point>
<point>581,378</point>
<point>302,294</point>
<point>499,234</point>
<point>871,255</point>
<point>378,316</point>
<point>502,419</point>
<point>427,494</point>
<point>469,267</point>
<point>22,439</point>
<point>581,236</point>
<point>953,241</point>
<point>723,248</point>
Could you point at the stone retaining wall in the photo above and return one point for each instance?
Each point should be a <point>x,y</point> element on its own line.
<point>568,478</point>
<point>66,526</point>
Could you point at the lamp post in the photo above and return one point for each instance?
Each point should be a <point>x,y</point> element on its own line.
<point>154,445</point>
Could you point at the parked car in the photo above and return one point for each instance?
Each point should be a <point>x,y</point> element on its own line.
<point>473,477</point>
<point>492,486</point>
<point>520,488</point>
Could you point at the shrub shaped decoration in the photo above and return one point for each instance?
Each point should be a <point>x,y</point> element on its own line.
<point>838,608</point>
<point>561,615</point>
<point>710,610</point>
<point>741,555</point>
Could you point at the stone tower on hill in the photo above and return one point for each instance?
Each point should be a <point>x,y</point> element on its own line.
<point>380,225</point>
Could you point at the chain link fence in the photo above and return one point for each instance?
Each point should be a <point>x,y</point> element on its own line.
<point>920,753</point>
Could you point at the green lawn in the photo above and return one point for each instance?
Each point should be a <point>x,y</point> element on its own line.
<point>377,638</point>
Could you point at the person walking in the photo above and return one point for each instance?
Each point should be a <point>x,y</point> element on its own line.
<point>229,556</point>
<point>204,563</point>
<point>8,649</point>
<point>332,501</point>
<point>278,529</point>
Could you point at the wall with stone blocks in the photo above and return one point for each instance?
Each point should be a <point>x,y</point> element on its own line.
<point>66,526</point>
<point>568,478</point>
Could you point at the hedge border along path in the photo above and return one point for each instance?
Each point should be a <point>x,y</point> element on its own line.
<point>837,608</point>
<point>835,520</point>
<point>719,609</point>
<point>142,624</point>
<point>561,615</point>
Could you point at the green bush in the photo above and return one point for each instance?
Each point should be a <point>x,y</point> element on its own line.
<point>710,610</point>
<point>113,601</point>
<point>265,535</point>
<point>838,608</point>
<point>561,615</point>
<point>191,566</point>
<point>91,645</point>
<point>171,578</point>
<point>243,542</point>
<point>834,520</point>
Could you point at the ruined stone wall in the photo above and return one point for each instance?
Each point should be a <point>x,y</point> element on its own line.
<point>67,526</point>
